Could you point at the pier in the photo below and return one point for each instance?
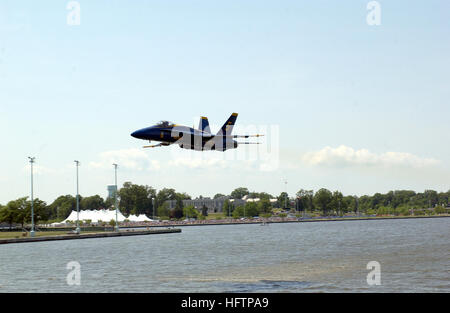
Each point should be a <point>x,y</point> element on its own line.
<point>91,235</point>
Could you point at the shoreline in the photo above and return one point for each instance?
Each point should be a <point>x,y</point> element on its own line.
<point>282,220</point>
<point>170,227</point>
<point>90,235</point>
<point>272,220</point>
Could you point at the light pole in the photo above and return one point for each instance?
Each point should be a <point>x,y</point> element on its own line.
<point>304,211</point>
<point>115,198</point>
<point>357,206</point>
<point>153,205</point>
<point>32,200</point>
<point>285,189</point>
<point>77,230</point>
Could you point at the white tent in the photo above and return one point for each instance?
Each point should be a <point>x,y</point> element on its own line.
<point>104,216</point>
<point>139,218</point>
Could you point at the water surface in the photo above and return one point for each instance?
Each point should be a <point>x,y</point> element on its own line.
<point>293,257</point>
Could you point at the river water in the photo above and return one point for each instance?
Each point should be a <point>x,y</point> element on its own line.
<point>414,256</point>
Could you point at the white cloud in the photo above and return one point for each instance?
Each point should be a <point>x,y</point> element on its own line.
<point>222,163</point>
<point>128,158</point>
<point>39,169</point>
<point>247,158</point>
<point>137,159</point>
<point>347,156</point>
<point>206,163</point>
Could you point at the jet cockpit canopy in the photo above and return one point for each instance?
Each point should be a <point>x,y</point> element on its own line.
<point>164,124</point>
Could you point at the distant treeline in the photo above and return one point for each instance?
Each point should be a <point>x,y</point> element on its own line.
<point>140,199</point>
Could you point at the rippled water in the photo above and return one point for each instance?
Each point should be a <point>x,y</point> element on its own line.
<point>295,257</point>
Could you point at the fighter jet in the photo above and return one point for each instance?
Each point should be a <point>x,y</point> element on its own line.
<point>168,133</point>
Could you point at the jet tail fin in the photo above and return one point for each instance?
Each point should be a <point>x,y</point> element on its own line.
<point>204,125</point>
<point>227,128</point>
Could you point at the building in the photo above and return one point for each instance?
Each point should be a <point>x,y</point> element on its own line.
<point>111,191</point>
<point>214,205</point>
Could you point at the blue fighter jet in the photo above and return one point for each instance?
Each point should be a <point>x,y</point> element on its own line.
<point>167,133</point>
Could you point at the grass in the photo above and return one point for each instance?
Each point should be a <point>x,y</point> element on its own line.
<point>215,216</point>
<point>19,234</point>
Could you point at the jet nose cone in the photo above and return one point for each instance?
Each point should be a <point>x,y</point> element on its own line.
<point>136,134</point>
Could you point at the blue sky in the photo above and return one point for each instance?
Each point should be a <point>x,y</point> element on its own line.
<point>359,108</point>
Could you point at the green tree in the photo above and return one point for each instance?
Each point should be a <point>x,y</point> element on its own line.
<point>322,200</point>
<point>40,209</point>
<point>439,209</point>
<point>431,198</point>
<point>283,200</point>
<point>218,195</point>
<point>377,200</point>
<point>260,195</point>
<point>7,215</point>
<point>92,203</point>
<point>264,206</point>
<point>182,196</point>
<point>179,204</point>
<point>63,206</point>
<point>238,212</point>
<point>163,211</point>
<point>239,193</point>
<point>337,203</point>
<point>109,203</point>
<point>177,212</point>
<point>19,209</point>
<point>164,195</point>
<point>136,199</point>
<point>443,198</point>
<point>350,202</point>
<point>190,212</point>
<point>364,203</point>
<point>305,200</point>
<point>227,208</point>
<point>251,209</point>
<point>246,210</point>
<point>45,212</point>
<point>204,210</point>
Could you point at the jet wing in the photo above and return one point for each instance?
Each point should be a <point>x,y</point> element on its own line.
<point>158,145</point>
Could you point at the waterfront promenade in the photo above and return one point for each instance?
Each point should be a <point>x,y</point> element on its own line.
<point>265,221</point>
<point>73,236</point>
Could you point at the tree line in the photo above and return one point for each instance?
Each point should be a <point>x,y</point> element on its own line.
<point>399,201</point>
<point>143,199</point>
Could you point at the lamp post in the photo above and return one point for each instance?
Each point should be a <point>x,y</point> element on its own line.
<point>32,200</point>
<point>153,206</point>
<point>77,230</point>
<point>285,189</point>
<point>115,198</point>
<point>357,206</point>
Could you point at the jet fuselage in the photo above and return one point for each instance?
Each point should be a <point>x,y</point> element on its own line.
<point>186,137</point>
